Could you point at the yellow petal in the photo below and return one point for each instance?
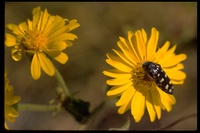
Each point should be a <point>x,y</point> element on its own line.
<point>119,81</point>
<point>23,28</point>
<point>15,99</point>
<point>141,46</point>
<point>152,43</point>
<point>161,52</point>
<point>167,56</point>
<point>167,100</point>
<point>46,64</point>
<point>178,75</point>
<point>10,40</point>
<point>122,109</point>
<point>30,24</point>
<point>114,73</point>
<point>35,67</point>
<point>62,58</point>
<point>63,36</point>
<point>44,19</point>
<point>126,96</point>
<point>115,90</point>
<point>174,68</point>
<point>177,81</point>
<point>10,118</point>
<point>72,25</point>
<point>123,57</point>
<point>15,29</point>
<point>53,52</point>
<point>132,45</point>
<point>156,102</point>
<point>144,36</point>
<point>48,28</point>
<point>176,60</point>
<point>57,26</point>
<point>127,52</point>
<point>6,127</point>
<point>57,45</point>
<point>118,63</point>
<point>149,105</point>
<point>13,113</point>
<point>36,15</point>
<point>138,104</point>
<point>57,33</point>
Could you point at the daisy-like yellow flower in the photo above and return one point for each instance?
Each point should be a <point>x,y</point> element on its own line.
<point>9,112</point>
<point>138,91</point>
<point>42,39</point>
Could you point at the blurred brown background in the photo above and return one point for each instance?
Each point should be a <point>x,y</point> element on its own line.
<point>101,25</point>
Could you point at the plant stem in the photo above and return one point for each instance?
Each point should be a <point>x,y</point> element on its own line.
<point>36,107</point>
<point>61,82</point>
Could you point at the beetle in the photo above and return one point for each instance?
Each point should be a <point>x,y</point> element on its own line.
<point>158,75</point>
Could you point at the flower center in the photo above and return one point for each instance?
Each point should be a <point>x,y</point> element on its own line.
<point>34,41</point>
<point>141,79</point>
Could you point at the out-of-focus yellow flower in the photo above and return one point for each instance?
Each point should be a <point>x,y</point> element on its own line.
<point>44,38</point>
<point>137,90</point>
<point>9,112</point>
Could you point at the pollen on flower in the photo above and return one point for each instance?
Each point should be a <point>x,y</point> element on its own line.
<point>140,78</point>
<point>34,41</point>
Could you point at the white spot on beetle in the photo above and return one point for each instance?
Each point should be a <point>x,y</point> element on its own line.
<point>162,80</point>
<point>166,87</point>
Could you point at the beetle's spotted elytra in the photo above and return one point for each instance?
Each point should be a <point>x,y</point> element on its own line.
<point>155,72</point>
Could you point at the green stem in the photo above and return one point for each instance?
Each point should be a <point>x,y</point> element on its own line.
<point>36,107</point>
<point>61,82</point>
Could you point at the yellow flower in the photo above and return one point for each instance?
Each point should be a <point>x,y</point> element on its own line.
<point>138,90</point>
<point>42,39</point>
<point>9,112</point>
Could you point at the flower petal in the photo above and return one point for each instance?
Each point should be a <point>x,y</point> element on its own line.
<point>57,45</point>
<point>13,112</point>
<point>150,107</point>
<point>53,53</point>
<point>123,57</point>
<point>46,64</point>
<point>122,109</point>
<point>119,80</point>
<point>160,54</point>
<point>35,67</point>
<point>44,20</point>
<point>114,73</point>
<point>62,58</point>
<point>167,100</point>
<point>177,81</point>
<point>138,104</point>
<point>132,45</point>
<point>116,90</point>
<point>156,102</point>
<point>152,43</point>
<point>179,66</point>
<point>141,46</point>
<point>63,36</point>
<point>176,60</point>
<point>118,63</point>
<point>168,55</point>
<point>14,99</point>
<point>178,75</point>
<point>72,25</point>
<point>126,96</point>
<point>131,57</point>
<point>10,40</point>
<point>15,29</point>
